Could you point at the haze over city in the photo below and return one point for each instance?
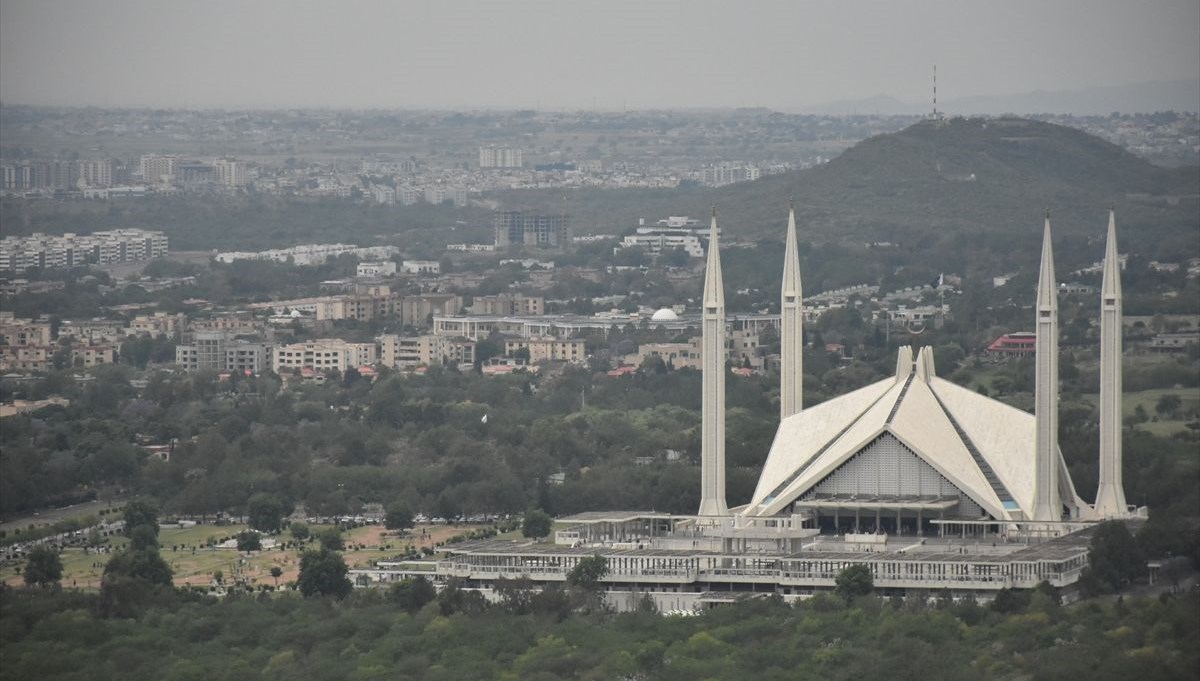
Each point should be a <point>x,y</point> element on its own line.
<point>599,340</point>
<point>578,55</point>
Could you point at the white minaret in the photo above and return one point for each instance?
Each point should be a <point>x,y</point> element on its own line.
<point>791,331</point>
<point>1046,504</point>
<point>712,405</point>
<point>1110,497</point>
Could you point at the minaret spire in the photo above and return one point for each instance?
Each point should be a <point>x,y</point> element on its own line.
<point>791,331</point>
<point>1046,505</point>
<point>1110,496</point>
<point>712,441</point>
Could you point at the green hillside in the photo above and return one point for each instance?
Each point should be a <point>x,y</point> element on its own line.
<point>989,180</point>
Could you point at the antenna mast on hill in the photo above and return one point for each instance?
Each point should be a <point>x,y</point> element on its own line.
<point>935,113</point>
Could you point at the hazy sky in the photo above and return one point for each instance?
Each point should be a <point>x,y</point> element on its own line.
<point>577,54</point>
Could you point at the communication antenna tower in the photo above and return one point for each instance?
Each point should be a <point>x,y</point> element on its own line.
<point>935,111</point>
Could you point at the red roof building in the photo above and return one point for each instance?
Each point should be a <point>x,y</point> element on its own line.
<point>1019,344</point>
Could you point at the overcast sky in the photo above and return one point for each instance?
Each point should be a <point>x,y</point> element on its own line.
<point>558,54</point>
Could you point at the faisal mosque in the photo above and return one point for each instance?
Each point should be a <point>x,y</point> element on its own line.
<point>931,485</point>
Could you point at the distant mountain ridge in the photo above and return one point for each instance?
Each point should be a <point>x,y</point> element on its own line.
<point>1148,97</point>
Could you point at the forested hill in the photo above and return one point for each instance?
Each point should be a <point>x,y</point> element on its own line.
<point>988,180</point>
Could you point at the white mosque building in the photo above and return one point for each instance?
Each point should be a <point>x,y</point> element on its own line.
<point>931,485</point>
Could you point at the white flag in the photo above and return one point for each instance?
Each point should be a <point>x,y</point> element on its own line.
<point>484,419</point>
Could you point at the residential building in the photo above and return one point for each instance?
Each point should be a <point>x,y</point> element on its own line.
<point>421,267</point>
<point>222,351</point>
<point>406,352</point>
<point>95,173</point>
<point>506,304</point>
<point>158,324</point>
<point>229,172</point>
<point>384,268</point>
<point>19,253</point>
<point>324,354</point>
<point>515,228</point>
<point>24,332</point>
<point>500,157</point>
<point>156,168</point>
<point>548,349</point>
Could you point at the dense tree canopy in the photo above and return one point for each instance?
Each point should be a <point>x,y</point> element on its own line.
<point>323,573</point>
<point>377,634</point>
<point>43,567</point>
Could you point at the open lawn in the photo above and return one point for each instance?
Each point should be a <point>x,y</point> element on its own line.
<point>186,551</point>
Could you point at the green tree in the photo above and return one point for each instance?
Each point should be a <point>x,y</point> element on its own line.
<point>536,524</point>
<point>398,516</point>
<point>145,565</point>
<point>43,567</point>
<point>299,531</point>
<point>249,541</point>
<point>331,539</point>
<point>588,573</point>
<point>276,573</point>
<point>265,512</point>
<point>141,513</point>
<point>323,573</point>
<point>1115,559</point>
<point>143,537</point>
<point>412,594</point>
<point>1168,405</point>
<point>853,581</point>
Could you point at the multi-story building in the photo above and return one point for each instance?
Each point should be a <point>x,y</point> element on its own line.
<point>384,268</point>
<point>95,173</point>
<point>158,324</point>
<point>419,310</point>
<point>42,357</point>
<point>19,253</point>
<point>324,354</point>
<point>406,352</point>
<point>310,254</point>
<point>229,172</point>
<point>421,267</point>
<point>515,228</point>
<point>27,357</point>
<point>548,349</point>
<point>96,330</point>
<point>505,304</point>
<point>156,168</point>
<point>500,157</point>
<point>439,194</point>
<point>728,173</point>
<point>222,351</point>
<point>24,332</point>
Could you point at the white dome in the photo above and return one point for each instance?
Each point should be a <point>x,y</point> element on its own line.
<point>665,315</point>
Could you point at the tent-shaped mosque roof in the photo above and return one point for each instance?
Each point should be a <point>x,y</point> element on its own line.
<point>981,446</point>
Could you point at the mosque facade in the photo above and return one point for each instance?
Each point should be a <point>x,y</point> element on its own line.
<point>931,485</point>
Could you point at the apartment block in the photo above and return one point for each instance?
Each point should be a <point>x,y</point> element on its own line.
<point>500,157</point>
<point>24,332</point>
<point>222,351</point>
<point>506,304</point>
<point>325,354</point>
<point>515,228</point>
<point>406,352</point>
<point>19,253</point>
<point>158,324</point>
<point>548,349</point>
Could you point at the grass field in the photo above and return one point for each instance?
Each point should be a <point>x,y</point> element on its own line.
<point>193,563</point>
